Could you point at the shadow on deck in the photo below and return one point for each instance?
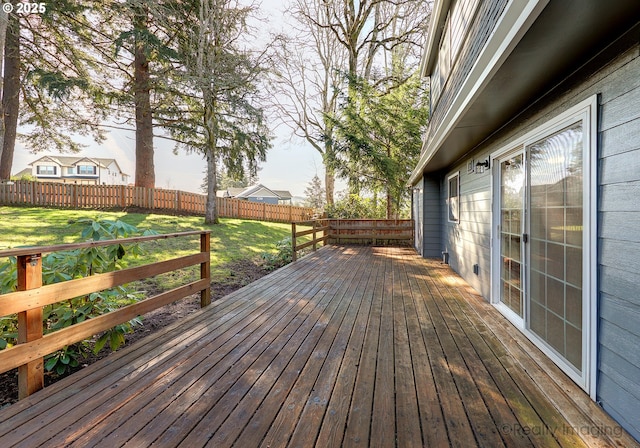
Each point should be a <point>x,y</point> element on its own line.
<point>348,346</point>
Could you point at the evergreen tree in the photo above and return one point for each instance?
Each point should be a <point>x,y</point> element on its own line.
<point>49,87</point>
<point>222,119</point>
<point>379,138</point>
<point>315,194</point>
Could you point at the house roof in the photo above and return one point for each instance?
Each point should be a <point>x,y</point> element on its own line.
<point>283,194</point>
<point>24,172</point>
<point>260,190</point>
<point>75,160</point>
<point>235,191</point>
<point>536,45</point>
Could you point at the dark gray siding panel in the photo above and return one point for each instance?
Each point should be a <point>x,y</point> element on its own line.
<point>432,226</point>
<point>417,204</point>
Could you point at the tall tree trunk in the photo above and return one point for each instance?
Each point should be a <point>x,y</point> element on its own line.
<point>329,172</point>
<point>4,21</point>
<point>145,169</point>
<point>211,208</point>
<point>329,184</point>
<point>10,94</point>
<point>211,130</point>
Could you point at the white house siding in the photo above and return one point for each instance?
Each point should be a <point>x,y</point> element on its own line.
<point>617,84</point>
<point>111,175</point>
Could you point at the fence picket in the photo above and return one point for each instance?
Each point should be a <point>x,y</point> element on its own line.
<point>52,194</point>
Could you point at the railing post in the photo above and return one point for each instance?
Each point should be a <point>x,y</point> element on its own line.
<point>30,375</point>
<point>294,254</point>
<point>205,269</point>
<point>315,242</point>
<point>375,231</point>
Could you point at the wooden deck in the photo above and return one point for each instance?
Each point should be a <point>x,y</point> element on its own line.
<point>350,346</point>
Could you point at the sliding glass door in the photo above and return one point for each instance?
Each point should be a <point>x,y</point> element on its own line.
<point>556,233</point>
<point>512,188</point>
<point>543,237</point>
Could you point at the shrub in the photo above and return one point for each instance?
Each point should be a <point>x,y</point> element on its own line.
<point>355,207</point>
<point>67,265</point>
<point>282,257</point>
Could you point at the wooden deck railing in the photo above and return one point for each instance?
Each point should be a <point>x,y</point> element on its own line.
<point>31,296</point>
<point>317,226</point>
<point>352,231</point>
<point>51,194</point>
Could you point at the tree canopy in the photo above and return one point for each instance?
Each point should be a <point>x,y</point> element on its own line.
<point>341,76</point>
<point>378,137</point>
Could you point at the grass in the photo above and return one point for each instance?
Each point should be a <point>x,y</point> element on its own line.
<point>232,240</point>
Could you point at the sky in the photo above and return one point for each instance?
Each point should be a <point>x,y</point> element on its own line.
<point>291,163</point>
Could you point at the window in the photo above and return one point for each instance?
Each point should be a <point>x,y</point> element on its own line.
<point>86,169</point>
<point>455,31</point>
<point>71,170</point>
<point>46,170</point>
<point>453,199</point>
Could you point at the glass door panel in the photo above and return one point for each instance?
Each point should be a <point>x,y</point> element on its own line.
<point>512,178</point>
<point>555,254</point>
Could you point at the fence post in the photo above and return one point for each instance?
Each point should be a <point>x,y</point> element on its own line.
<point>205,269</point>
<point>294,255</point>
<point>315,243</point>
<point>30,375</point>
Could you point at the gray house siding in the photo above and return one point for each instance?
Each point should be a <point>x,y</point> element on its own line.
<point>617,83</point>
<point>417,214</point>
<point>264,200</point>
<point>468,241</point>
<point>619,241</point>
<point>432,225</point>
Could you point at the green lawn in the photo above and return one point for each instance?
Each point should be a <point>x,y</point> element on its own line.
<point>232,240</point>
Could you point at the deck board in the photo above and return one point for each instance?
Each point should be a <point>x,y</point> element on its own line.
<point>349,346</point>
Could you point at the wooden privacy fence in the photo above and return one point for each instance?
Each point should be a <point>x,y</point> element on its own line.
<point>51,194</point>
<point>31,296</point>
<point>352,231</point>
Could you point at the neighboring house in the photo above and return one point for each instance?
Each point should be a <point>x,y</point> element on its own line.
<point>78,170</point>
<point>230,192</point>
<point>529,177</point>
<point>257,193</point>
